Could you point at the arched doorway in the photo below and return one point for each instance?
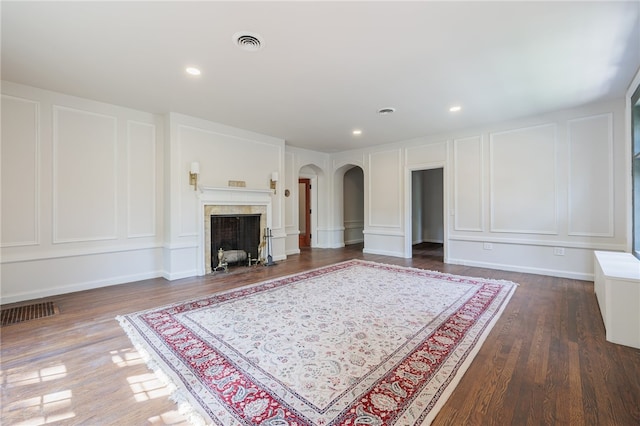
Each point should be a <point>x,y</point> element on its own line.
<point>348,208</point>
<point>353,206</point>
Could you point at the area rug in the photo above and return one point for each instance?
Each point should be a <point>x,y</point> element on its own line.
<point>355,343</point>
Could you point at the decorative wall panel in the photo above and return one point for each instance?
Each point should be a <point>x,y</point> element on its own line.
<point>384,197</point>
<point>468,180</point>
<point>141,179</point>
<point>20,155</point>
<point>591,204</point>
<point>290,182</point>
<point>523,187</point>
<point>84,175</point>
<point>425,154</point>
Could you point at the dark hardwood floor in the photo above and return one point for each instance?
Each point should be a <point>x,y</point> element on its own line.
<point>546,361</point>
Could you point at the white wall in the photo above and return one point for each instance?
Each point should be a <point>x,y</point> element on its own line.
<point>81,194</point>
<point>96,194</point>
<point>549,185</point>
<point>535,195</point>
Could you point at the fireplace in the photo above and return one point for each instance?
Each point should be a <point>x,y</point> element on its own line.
<point>230,202</point>
<point>235,232</point>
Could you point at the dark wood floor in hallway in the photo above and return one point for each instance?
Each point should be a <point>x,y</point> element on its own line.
<point>546,361</point>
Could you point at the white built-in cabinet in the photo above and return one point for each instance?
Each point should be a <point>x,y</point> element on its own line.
<point>617,287</point>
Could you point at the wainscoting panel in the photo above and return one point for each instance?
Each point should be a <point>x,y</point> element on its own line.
<point>591,189</point>
<point>290,182</point>
<point>386,243</point>
<point>84,175</point>
<point>468,184</point>
<point>523,181</point>
<point>141,179</point>
<point>424,154</point>
<point>577,263</point>
<point>29,280</point>
<point>385,200</point>
<point>20,155</point>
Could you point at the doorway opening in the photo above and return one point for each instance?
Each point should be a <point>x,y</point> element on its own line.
<point>353,206</point>
<point>304,212</point>
<point>427,213</point>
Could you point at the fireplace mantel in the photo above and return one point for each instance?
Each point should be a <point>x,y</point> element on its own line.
<point>227,200</point>
<point>211,193</point>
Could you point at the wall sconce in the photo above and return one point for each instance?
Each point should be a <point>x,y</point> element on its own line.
<point>193,175</point>
<point>274,179</point>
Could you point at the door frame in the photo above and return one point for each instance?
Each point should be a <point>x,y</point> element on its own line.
<point>408,240</point>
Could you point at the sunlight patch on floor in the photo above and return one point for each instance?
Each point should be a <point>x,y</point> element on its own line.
<point>50,408</point>
<point>47,420</point>
<point>126,357</point>
<point>37,376</point>
<point>147,386</point>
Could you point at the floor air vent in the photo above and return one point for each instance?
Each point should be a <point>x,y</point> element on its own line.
<point>28,312</point>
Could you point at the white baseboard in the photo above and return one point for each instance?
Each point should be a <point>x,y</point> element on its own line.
<point>90,285</point>
<point>179,275</point>
<point>383,252</point>
<point>524,269</point>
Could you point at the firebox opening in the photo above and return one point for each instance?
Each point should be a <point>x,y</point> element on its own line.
<point>231,232</point>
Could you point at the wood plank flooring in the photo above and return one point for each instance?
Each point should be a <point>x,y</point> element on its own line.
<point>546,362</point>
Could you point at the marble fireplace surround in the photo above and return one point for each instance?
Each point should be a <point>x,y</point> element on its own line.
<point>228,201</point>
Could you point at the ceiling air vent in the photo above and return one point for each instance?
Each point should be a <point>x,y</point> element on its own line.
<point>385,111</point>
<point>248,41</point>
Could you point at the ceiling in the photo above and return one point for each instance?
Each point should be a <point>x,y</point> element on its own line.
<point>326,68</point>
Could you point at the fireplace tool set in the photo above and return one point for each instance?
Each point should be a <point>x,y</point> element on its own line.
<point>267,236</point>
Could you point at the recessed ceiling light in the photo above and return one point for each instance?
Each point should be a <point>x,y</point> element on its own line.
<point>455,108</point>
<point>193,71</point>
<point>357,132</point>
<point>385,111</point>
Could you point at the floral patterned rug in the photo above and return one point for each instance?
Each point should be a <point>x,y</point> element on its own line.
<point>355,343</point>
